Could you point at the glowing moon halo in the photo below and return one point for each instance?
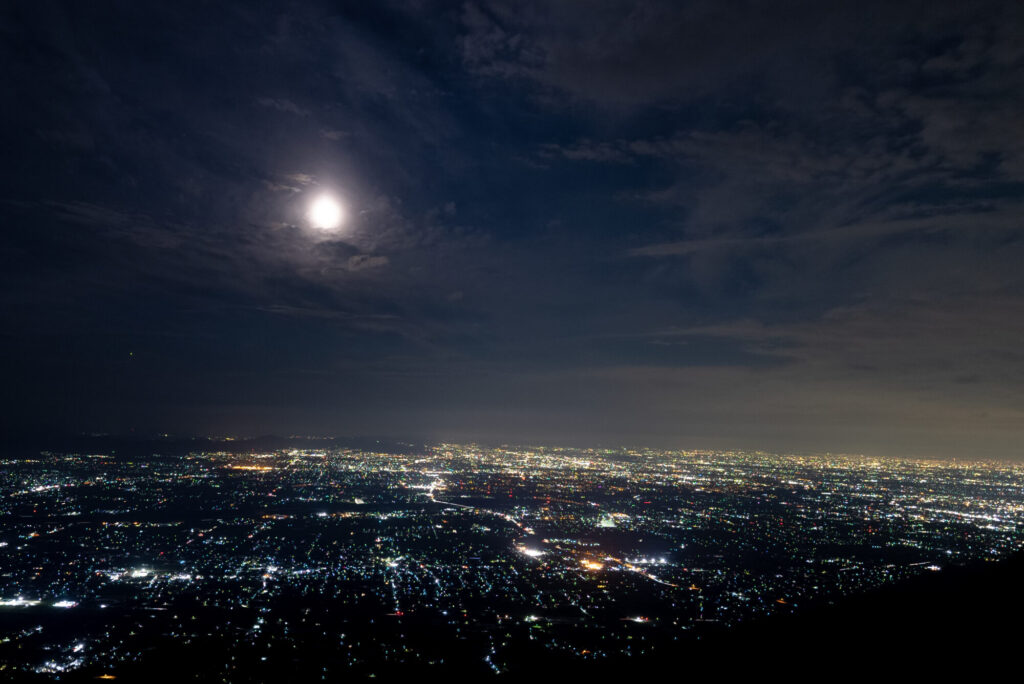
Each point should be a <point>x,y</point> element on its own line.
<point>325,213</point>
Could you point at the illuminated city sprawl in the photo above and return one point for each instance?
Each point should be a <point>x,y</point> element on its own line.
<point>482,555</point>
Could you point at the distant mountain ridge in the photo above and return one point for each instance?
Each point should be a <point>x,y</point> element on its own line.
<point>145,445</point>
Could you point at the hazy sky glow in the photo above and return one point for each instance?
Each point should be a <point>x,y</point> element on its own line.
<point>785,225</point>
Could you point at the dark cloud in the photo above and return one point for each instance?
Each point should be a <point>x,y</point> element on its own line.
<point>282,105</point>
<point>784,225</point>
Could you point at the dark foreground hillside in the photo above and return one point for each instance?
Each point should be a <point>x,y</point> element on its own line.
<point>965,622</point>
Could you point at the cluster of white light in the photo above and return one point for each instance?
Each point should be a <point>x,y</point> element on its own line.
<point>18,601</point>
<point>647,561</point>
<point>52,666</point>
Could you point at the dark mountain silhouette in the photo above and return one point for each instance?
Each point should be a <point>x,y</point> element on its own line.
<point>963,621</point>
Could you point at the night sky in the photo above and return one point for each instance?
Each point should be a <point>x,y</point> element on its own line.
<point>793,226</point>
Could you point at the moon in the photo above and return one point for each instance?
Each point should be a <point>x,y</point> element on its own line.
<point>326,213</point>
